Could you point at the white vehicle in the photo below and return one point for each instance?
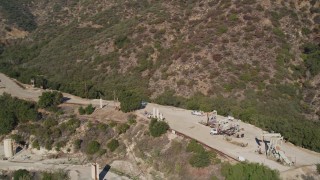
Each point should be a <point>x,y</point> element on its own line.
<point>214,131</point>
<point>197,113</point>
<point>241,159</point>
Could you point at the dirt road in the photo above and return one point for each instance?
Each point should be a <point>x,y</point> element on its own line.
<point>181,120</point>
<point>29,93</point>
<point>10,86</point>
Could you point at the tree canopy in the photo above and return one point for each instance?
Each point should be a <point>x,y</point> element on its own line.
<point>244,171</point>
<point>312,58</point>
<point>157,128</point>
<point>13,111</point>
<point>93,147</point>
<point>130,101</point>
<point>50,99</point>
<point>21,174</point>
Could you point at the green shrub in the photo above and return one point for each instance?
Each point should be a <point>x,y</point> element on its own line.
<point>35,144</point>
<point>113,145</point>
<point>168,98</point>
<point>60,144</point>
<point>122,128</point>
<point>222,29</point>
<point>200,160</point>
<point>1,48</point>
<point>22,174</point>
<point>318,168</point>
<point>8,122</point>
<point>81,110</point>
<point>14,111</point>
<point>130,101</point>
<point>102,152</point>
<point>18,13</point>
<point>17,138</point>
<point>69,127</point>
<point>306,31</point>
<point>77,144</point>
<point>121,41</point>
<point>50,122</point>
<point>248,171</point>
<point>200,157</point>
<point>50,99</point>
<point>132,119</point>
<point>278,32</point>
<point>312,58</point>
<point>55,175</point>
<point>195,147</point>
<point>92,147</point>
<point>47,176</point>
<point>233,17</point>
<point>157,128</point>
<point>48,145</point>
<point>102,127</point>
<point>112,124</point>
<point>56,7</point>
<point>259,8</point>
<point>214,177</point>
<point>89,109</point>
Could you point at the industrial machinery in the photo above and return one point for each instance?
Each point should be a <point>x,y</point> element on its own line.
<point>211,119</point>
<point>226,126</point>
<point>272,143</point>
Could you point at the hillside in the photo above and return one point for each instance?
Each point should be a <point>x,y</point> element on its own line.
<point>129,146</point>
<point>255,59</point>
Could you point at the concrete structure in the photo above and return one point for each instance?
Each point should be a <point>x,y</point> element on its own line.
<point>8,148</point>
<point>154,112</point>
<point>95,171</point>
<point>101,105</point>
<point>158,114</point>
<point>161,116</point>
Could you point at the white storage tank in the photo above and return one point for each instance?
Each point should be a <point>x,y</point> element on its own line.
<point>8,148</point>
